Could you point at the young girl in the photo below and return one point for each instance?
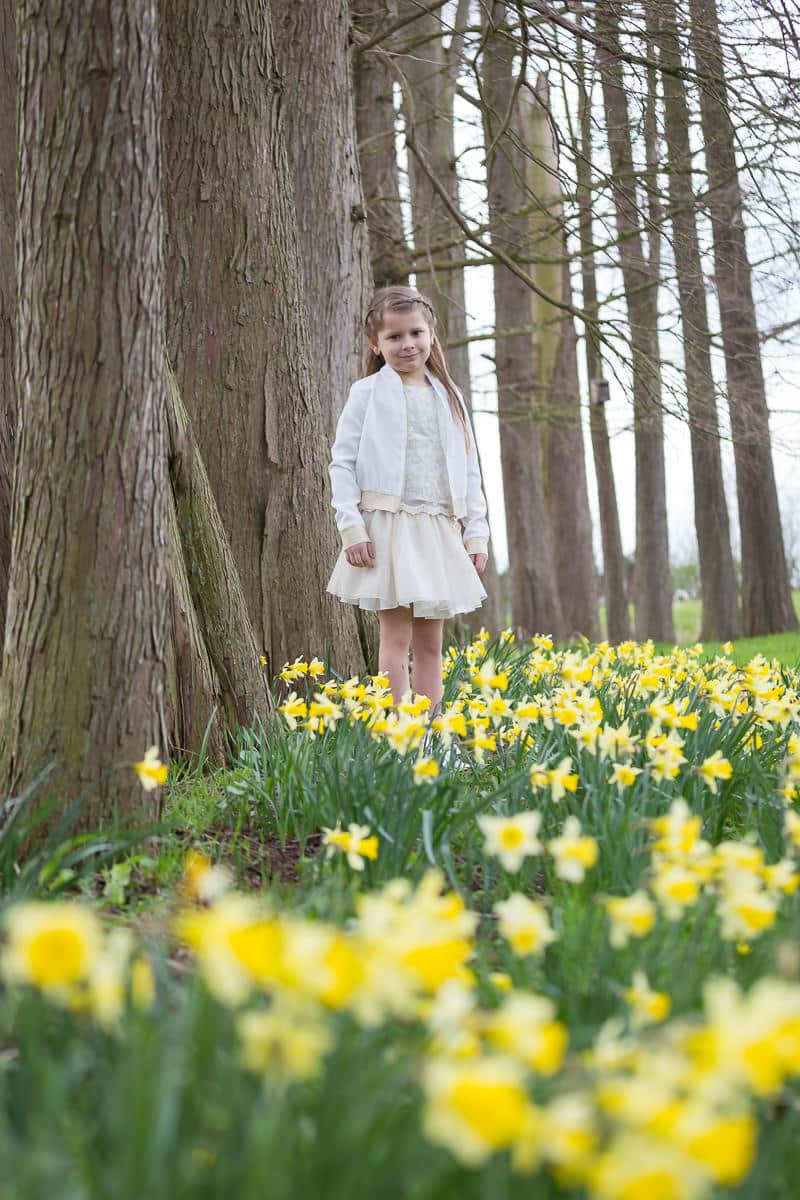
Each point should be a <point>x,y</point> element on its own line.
<point>407,493</point>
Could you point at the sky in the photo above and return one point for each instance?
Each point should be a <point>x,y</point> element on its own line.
<point>776,301</point>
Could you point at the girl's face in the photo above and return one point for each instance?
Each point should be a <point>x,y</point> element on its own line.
<point>404,340</point>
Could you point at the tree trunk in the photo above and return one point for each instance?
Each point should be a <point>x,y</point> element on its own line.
<point>554,333</point>
<point>535,605</point>
<point>653,590</point>
<point>237,328</point>
<point>717,576</point>
<point>8,209</point>
<point>618,625</point>
<point>375,124</point>
<point>84,659</point>
<point>766,594</point>
<point>313,55</point>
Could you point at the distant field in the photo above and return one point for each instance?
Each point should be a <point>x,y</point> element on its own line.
<point>783,646</point>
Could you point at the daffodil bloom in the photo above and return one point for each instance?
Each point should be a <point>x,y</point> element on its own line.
<point>630,916</point>
<point>746,911</point>
<point>512,839</point>
<point>562,779</point>
<point>624,775</point>
<point>50,945</point>
<point>524,924</point>
<point>316,668</point>
<point>573,852</point>
<point>151,771</point>
<point>647,1007</point>
<point>426,770</point>
<point>355,842</point>
<point>201,881</point>
<point>476,1107</point>
<point>713,768</point>
<point>293,710</point>
<point>637,1166</point>
<point>525,1027</point>
<point>676,889</point>
<point>451,721</point>
<point>287,1041</point>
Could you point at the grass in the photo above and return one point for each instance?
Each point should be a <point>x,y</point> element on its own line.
<point>687,616</point>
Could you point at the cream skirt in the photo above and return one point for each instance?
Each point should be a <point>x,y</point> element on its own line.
<point>420,562</point>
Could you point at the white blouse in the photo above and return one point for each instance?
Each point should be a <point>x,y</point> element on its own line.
<point>425,487</point>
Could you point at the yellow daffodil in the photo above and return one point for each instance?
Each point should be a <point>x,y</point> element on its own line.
<point>574,852</point>
<point>355,842</point>
<point>151,771</point>
<point>512,839</point>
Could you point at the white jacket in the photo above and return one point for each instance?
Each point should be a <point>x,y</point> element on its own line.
<point>369,458</point>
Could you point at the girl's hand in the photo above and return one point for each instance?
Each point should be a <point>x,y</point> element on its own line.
<point>362,554</point>
<point>479,562</point>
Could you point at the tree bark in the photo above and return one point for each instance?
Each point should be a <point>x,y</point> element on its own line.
<point>535,605</point>
<point>375,124</point>
<point>87,602</point>
<point>618,625</point>
<point>653,589</point>
<point>237,329</point>
<point>766,594</point>
<point>313,55</point>
<point>8,209</point>
<point>214,586</point>
<point>717,576</point>
<point>554,333</point>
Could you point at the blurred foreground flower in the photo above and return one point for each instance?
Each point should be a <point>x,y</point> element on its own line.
<point>151,771</point>
<point>53,946</point>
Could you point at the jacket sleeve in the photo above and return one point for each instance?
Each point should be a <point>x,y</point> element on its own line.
<point>345,491</point>
<point>476,527</point>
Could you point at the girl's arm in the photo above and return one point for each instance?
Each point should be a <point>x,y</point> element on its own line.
<point>476,527</point>
<point>346,494</point>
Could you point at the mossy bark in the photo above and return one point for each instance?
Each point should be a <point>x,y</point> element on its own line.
<point>237,330</point>
<point>84,661</point>
<point>8,209</point>
<point>218,655</point>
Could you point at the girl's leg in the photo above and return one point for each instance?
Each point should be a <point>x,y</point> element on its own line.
<point>395,640</point>
<point>426,645</point>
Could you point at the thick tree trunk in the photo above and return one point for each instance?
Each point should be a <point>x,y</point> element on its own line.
<point>84,659</point>
<point>8,210</point>
<point>653,589</point>
<point>375,125</point>
<point>717,576</point>
<point>554,333</point>
<point>313,54</point>
<point>618,625</point>
<point>237,328</point>
<point>535,605</point>
<point>312,44</point>
<point>766,594</point>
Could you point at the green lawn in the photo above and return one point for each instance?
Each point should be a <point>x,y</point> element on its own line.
<point>687,614</point>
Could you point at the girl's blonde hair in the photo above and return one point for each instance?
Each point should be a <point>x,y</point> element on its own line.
<point>400,299</point>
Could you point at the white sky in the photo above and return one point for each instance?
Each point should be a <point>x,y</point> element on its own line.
<point>777,300</point>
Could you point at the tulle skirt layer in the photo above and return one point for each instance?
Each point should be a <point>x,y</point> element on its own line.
<point>420,562</point>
